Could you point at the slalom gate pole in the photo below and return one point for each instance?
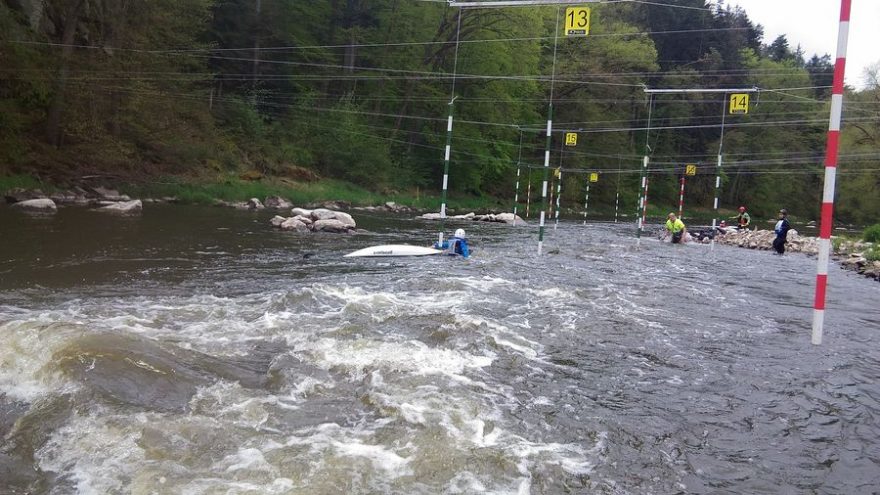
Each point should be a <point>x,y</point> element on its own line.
<point>448,150</point>
<point>558,198</point>
<point>587,200</point>
<point>643,190</point>
<point>529,193</point>
<point>681,198</point>
<point>549,133</point>
<point>718,169</point>
<point>831,155</point>
<point>518,169</point>
<point>617,194</point>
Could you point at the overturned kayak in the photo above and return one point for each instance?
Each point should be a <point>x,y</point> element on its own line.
<point>393,250</point>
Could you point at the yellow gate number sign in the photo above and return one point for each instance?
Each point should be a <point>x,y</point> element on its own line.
<point>739,103</point>
<point>690,170</point>
<point>571,139</point>
<point>577,21</point>
<point>594,177</point>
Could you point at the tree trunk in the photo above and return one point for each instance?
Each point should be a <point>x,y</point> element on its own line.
<point>59,88</point>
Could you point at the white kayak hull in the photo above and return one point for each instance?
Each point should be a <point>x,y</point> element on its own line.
<point>393,250</point>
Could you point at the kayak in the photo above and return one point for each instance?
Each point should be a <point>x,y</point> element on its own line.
<point>393,250</point>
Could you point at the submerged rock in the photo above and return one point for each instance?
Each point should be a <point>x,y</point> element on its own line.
<point>135,206</point>
<point>18,194</point>
<point>43,204</point>
<point>294,224</point>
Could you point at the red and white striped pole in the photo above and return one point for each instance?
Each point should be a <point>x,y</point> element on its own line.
<point>681,198</point>
<point>645,204</point>
<point>830,173</point>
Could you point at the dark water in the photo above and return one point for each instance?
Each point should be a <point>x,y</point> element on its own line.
<point>199,351</point>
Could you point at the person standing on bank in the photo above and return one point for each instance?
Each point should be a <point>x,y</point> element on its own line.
<point>742,220</point>
<point>675,227</point>
<point>782,228</point>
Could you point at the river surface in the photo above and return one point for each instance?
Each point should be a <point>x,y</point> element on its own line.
<point>199,351</point>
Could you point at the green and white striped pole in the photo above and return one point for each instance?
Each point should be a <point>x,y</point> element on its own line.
<point>518,169</point>
<point>549,132</point>
<point>643,189</point>
<point>448,150</point>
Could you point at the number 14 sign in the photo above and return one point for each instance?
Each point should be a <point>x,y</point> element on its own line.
<point>577,21</point>
<point>739,103</point>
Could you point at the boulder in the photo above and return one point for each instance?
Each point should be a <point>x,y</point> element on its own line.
<point>346,219</point>
<point>107,194</point>
<point>42,204</point>
<point>431,216</point>
<point>294,224</point>
<point>17,195</point>
<point>301,212</point>
<point>255,204</point>
<point>68,197</point>
<point>277,203</point>
<point>135,206</point>
<point>872,270</point>
<point>330,225</point>
<point>509,218</point>
<point>323,214</point>
<point>306,220</point>
<point>277,220</point>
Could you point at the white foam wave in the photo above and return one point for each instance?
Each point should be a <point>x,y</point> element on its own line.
<point>411,356</point>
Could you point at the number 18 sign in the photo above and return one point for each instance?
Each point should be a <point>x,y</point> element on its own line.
<point>577,21</point>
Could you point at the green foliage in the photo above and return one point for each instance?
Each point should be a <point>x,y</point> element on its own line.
<point>873,254</point>
<point>359,92</point>
<point>23,181</point>
<point>872,233</point>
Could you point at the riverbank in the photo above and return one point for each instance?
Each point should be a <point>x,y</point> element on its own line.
<point>858,256</point>
<point>305,191</point>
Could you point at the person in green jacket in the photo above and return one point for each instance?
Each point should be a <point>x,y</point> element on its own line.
<point>742,220</point>
<point>675,227</point>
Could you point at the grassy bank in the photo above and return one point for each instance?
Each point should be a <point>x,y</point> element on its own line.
<point>299,193</point>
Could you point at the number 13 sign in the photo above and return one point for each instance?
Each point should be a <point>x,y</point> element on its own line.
<point>577,21</point>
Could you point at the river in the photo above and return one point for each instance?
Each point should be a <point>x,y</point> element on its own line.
<point>196,350</point>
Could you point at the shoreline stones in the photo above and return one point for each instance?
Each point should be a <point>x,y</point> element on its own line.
<point>39,204</point>
<point>317,220</point>
<point>763,240</point>
<point>507,218</point>
<point>124,207</point>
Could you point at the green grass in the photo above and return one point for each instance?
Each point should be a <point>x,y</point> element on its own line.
<point>872,233</point>
<point>298,193</point>
<point>23,181</point>
<point>873,254</point>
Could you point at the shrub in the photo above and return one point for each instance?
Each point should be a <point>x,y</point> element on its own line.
<point>872,233</point>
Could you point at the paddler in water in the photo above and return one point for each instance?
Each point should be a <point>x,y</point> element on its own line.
<point>675,227</point>
<point>457,245</point>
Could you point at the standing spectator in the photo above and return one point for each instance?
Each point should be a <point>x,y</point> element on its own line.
<point>782,228</point>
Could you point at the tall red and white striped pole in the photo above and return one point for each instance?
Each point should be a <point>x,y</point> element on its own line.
<point>830,173</point>
<point>645,202</point>
<point>681,198</point>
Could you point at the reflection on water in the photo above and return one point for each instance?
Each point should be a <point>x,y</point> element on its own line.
<point>198,350</point>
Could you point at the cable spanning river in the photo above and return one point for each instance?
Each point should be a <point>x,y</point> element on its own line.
<point>199,351</point>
